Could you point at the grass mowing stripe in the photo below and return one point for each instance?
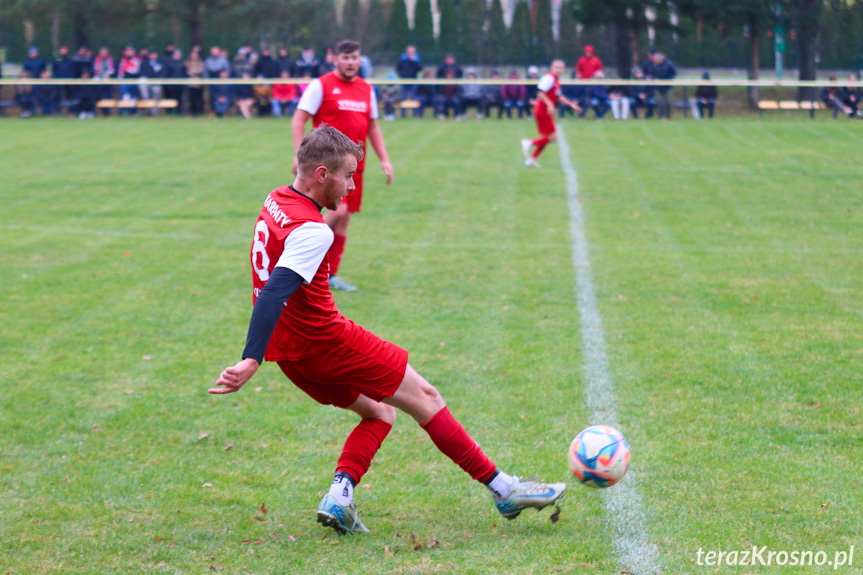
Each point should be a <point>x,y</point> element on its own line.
<point>623,503</point>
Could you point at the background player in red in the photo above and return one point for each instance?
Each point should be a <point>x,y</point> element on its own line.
<point>546,104</point>
<point>296,324</point>
<point>344,100</point>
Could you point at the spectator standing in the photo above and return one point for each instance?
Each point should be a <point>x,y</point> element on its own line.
<point>513,96</point>
<point>448,95</point>
<point>307,65</point>
<point>705,97</point>
<point>103,69</point>
<point>175,68</point>
<point>83,60</point>
<point>24,97</point>
<point>47,96</point>
<point>347,102</point>
<point>642,97</point>
<point>64,67</point>
<point>471,96</point>
<point>663,69</point>
<point>285,97</point>
<point>85,98</point>
<point>34,64</point>
<point>328,64</point>
<point>491,96</point>
<point>216,63</point>
<point>283,59</point>
<point>242,63</point>
<point>266,67</point>
<point>152,69</point>
<point>409,67</point>
<point>195,69</point>
<point>129,68</point>
<point>589,64</point>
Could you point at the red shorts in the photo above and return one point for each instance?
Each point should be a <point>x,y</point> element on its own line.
<point>544,122</point>
<point>355,199</point>
<point>359,362</point>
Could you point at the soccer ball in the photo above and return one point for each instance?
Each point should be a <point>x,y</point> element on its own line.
<point>599,456</point>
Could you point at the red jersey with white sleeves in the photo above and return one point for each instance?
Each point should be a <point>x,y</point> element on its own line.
<point>550,84</point>
<point>347,106</point>
<point>291,233</point>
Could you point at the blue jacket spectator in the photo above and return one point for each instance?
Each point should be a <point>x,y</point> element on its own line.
<point>663,69</point>
<point>34,64</point>
<point>307,65</point>
<point>598,97</point>
<point>47,96</point>
<point>642,96</point>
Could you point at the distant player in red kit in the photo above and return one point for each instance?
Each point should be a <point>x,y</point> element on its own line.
<point>347,102</point>
<point>296,324</point>
<point>546,104</point>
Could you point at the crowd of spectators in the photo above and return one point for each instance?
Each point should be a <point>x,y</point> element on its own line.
<point>844,100</point>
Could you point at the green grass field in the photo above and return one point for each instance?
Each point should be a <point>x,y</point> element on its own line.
<point>726,258</point>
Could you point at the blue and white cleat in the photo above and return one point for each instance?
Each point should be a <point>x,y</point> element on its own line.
<point>338,283</point>
<point>344,519</point>
<point>526,494</point>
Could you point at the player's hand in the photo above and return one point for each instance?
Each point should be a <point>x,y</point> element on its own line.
<point>388,170</point>
<point>295,166</point>
<point>233,378</point>
<point>576,107</point>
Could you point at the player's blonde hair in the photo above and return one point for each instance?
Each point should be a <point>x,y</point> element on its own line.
<point>326,146</point>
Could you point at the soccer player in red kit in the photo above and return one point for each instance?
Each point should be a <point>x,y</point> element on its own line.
<point>347,102</point>
<point>296,324</point>
<point>546,104</point>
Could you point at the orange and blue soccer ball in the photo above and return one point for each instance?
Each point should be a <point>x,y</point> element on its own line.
<point>599,456</point>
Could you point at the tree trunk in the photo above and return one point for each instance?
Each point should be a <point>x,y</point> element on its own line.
<point>55,28</point>
<point>808,28</point>
<point>81,28</point>
<point>754,62</point>
<point>194,21</point>
<point>623,47</point>
<point>634,45</point>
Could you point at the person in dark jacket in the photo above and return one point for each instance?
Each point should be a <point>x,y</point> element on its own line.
<point>222,95</point>
<point>283,59</point>
<point>83,60</point>
<point>175,67</point>
<point>471,95</point>
<point>266,67</point>
<point>598,97</point>
<point>491,96</point>
<point>663,69</point>
<point>409,66</point>
<point>513,96</point>
<point>85,98</point>
<point>832,98</point>
<point>152,69</point>
<point>47,96</point>
<point>642,96</point>
<point>307,65</point>
<point>705,97</point>
<point>34,64</point>
<point>448,96</point>
<point>64,67</point>
<point>531,89</point>
<point>851,98</point>
<point>426,95</point>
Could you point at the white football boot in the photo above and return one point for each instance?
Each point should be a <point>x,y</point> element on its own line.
<point>526,494</point>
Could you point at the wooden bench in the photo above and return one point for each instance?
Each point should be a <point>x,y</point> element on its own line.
<point>163,104</point>
<point>811,106</point>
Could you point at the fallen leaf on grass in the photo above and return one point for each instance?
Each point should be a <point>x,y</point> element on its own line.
<point>229,447</point>
<point>627,573</point>
<point>203,435</point>
<point>825,505</point>
<point>416,543</point>
<point>387,551</point>
<point>246,541</point>
<point>263,509</point>
<point>207,485</point>
<point>292,537</point>
<point>433,543</point>
<point>556,515</point>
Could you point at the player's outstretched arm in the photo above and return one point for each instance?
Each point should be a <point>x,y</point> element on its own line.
<point>376,138</point>
<point>281,285</point>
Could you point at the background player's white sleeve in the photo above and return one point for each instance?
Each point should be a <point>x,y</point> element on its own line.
<point>312,98</point>
<point>546,83</point>
<point>373,102</point>
<point>305,248</point>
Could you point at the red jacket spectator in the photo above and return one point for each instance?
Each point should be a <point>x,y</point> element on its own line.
<point>284,92</point>
<point>589,64</point>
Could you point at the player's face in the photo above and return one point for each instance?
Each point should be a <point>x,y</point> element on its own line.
<point>340,183</point>
<point>348,65</point>
<point>557,67</point>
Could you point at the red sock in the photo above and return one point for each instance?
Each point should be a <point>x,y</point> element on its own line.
<point>540,144</point>
<point>336,251</point>
<point>361,446</point>
<point>453,441</point>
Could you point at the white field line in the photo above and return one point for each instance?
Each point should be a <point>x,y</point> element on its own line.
<point>622,502</point>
